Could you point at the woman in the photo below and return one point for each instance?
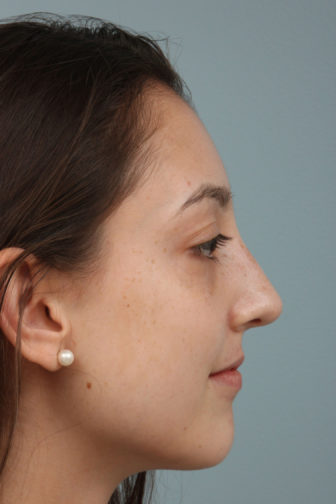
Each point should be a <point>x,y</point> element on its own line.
<point>125,284</point>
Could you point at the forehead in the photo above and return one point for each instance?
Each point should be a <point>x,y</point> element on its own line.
<point>182,153</point>
<point>182,156</point>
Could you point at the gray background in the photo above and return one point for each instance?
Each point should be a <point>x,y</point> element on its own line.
<point>262,76</point>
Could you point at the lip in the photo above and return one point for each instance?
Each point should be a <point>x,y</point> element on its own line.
<point>228,377</point>
<point>233,366</point>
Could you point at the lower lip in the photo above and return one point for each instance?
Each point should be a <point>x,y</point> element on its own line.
<point>230,377</point>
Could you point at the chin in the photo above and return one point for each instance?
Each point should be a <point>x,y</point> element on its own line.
<point>206,457</point>
<point>204,451</point>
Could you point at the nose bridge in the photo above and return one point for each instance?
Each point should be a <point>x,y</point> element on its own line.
<point>257,302</point>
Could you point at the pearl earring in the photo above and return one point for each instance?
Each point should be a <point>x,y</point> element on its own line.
<point>65,357</point>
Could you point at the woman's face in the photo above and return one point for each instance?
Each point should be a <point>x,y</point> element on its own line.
<point>159,316</point>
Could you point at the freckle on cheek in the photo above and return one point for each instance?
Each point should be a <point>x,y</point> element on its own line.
<point>88,385</point>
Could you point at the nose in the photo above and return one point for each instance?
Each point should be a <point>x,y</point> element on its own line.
<point>256,302</point>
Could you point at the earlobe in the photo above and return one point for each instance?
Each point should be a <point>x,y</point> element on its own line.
<point>43,325</point>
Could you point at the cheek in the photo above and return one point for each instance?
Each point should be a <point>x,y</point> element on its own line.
<point>159,337</point>
<point>154,324</point>
<point>164,316</point>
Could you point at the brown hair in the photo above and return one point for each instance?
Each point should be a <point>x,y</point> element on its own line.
<point>74,116</point>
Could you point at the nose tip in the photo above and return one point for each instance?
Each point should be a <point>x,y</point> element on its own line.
<point>269,308</point>
<point>258,302</point>
<point>258,309</point>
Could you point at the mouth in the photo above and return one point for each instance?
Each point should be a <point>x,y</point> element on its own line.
<point>229,375</point>
<point>231,367</point>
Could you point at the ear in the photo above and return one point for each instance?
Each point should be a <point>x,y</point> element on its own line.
<point>44,325</point>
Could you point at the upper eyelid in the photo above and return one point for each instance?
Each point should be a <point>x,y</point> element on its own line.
<point>202,232</point>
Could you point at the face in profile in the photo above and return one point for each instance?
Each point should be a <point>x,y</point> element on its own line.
<point>164,310</point>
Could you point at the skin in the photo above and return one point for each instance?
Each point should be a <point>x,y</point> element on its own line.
<point>149,326</point>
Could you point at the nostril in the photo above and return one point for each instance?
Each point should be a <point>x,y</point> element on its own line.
<point>256,321</point>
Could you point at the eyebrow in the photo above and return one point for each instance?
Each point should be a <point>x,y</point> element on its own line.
<point>221,194</point>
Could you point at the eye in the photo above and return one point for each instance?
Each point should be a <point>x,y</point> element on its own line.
<point>207,248</point>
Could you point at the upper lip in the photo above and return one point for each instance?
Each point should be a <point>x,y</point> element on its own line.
<point>234,365</point>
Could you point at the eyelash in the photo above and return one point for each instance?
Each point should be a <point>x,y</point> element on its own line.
<point>219,241</point>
